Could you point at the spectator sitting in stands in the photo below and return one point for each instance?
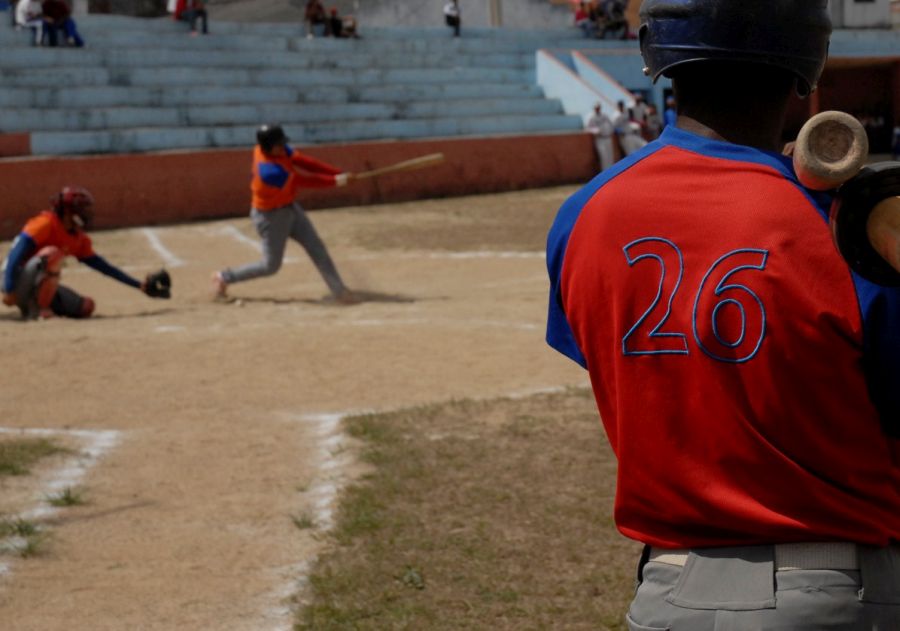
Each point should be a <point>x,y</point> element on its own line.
<point>58,17</point>
<point>586,19</point>
<point>190,11</point>
<point>613,19</point>
<point>28,15</point>
<point>349,27</point>
<point>316,20</point>
<point>335,25</point>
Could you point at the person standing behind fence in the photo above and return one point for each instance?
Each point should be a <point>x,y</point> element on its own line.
<point>453,16</point>
<point>279,171</point>
<point>603,130</point>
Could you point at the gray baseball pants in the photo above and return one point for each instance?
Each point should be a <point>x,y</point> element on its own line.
<point>741,589</point>
<point>274,227</point>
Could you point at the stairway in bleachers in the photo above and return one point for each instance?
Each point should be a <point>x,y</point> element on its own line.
<point>145,85</point>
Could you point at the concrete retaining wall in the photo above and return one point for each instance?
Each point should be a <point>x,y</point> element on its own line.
<point>172,187</point>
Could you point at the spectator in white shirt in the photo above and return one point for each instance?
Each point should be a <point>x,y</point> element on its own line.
<point>28,15</point>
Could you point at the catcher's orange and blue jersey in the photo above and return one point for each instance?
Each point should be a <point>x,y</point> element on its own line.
<point>46,228</point>
<point>697,282</point>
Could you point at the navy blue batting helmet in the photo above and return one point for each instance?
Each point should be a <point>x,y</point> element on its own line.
<point>788,34</point>
<point>267,136</point>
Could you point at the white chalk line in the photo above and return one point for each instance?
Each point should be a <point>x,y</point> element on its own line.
<point>98,443</point>
<point>325,490</point>
<point>168,257</point>
<point>474,254</point>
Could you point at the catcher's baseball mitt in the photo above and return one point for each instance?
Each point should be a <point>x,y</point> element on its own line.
<point>158,284</point>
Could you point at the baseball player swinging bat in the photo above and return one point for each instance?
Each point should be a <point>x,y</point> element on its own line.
<point>830,153</point>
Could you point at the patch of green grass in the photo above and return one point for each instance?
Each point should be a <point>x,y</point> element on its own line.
<point>67,497</point>
<point>478,515</point>
<point>17,527</point>
<point>303,522</point>
<point>18,455</point>
<point>27,539</point>
<point>34,545</point>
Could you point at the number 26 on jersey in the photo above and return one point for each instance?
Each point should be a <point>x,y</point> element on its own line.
<point>728,321</point>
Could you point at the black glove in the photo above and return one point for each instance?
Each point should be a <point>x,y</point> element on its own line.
<point>158,285</point>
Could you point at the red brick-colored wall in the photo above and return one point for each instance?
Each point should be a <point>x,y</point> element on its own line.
<point>173,187</point>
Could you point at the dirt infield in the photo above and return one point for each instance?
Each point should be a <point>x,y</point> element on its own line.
<point>205,429</point>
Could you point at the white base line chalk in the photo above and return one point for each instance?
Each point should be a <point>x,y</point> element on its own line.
<point>169,259</point>
<point>95,443</point>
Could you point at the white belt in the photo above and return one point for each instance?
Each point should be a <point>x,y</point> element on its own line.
<point>788,556</point>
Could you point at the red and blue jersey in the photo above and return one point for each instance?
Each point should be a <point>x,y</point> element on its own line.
<point>748,381</point>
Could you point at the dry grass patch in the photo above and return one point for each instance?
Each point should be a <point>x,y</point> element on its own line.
<point>478,515</point>
<point>18,455</point>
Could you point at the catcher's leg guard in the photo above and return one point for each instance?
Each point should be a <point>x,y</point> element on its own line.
<point>70,304</point>
<point>38,281</point>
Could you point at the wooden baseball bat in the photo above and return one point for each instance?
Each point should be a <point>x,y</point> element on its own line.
<point>421,162</point>
<point>830,149</point>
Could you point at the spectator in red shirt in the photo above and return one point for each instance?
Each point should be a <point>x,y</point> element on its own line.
<point>58,17</point>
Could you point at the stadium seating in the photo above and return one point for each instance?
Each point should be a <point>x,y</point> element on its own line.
<point>145,84</point>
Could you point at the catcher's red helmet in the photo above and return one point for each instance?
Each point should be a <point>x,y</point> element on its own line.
<point>79,201</point>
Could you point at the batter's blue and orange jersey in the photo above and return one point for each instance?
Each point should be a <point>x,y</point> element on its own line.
<point>275,180</point>
<point>748,382</point>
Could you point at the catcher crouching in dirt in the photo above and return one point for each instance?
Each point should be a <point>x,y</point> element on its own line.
<point>279,171</point>
<point>31,271</point>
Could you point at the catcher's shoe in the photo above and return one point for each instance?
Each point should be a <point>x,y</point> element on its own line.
<point>219,286</point>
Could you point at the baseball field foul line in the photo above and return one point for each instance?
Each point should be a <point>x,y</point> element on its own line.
<point>97,443</point>
<point>169,258</point>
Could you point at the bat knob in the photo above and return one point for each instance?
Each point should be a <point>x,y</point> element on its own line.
<point>831,148</point>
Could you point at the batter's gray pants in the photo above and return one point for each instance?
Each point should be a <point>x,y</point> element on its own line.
<point>740,589</point>
<point>274,227</point>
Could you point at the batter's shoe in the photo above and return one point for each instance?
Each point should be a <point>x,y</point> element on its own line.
<point>219,287</point>
<point>347,297</point>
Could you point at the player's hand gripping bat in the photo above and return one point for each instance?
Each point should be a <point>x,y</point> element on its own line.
<point>830,153</point>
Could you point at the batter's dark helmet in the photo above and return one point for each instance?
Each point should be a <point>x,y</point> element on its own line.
<point>270,135</point>
<point>79,201</point>
<point>788,34</point>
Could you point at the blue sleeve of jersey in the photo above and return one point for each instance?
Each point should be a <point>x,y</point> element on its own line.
<point>273,174</point>
<point>22,248</point>
<point>559,333</point>
<point>881,349</point>
<point>101,265</point>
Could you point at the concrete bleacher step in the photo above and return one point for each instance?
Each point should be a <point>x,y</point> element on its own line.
<point>145,85</point>
<point>83,119</point>
<point>22,56</point>
<point>165,138</point>
<point>179,95</point>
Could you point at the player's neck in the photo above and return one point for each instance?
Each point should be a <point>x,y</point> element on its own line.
<point>765,135</point>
